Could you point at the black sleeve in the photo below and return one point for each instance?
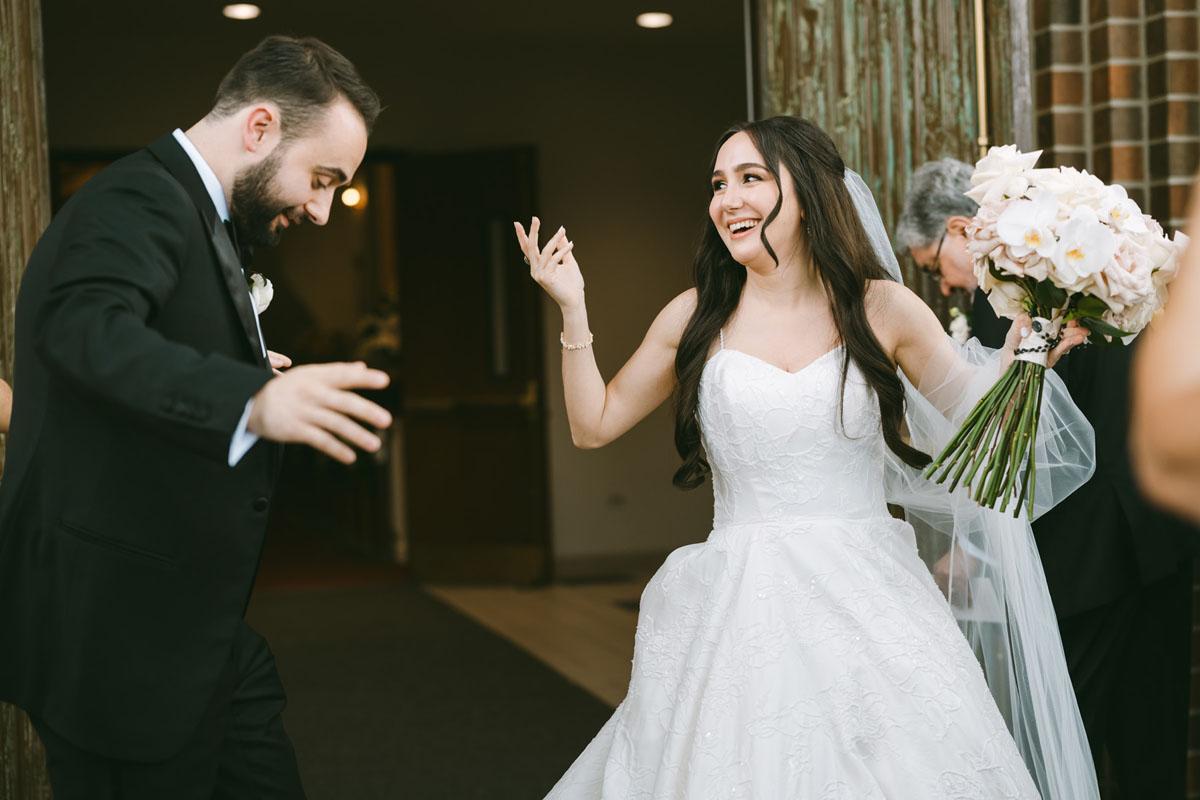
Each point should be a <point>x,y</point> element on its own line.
<point>118,262</point>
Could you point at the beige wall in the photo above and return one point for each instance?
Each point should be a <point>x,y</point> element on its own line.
<point>623,136</point>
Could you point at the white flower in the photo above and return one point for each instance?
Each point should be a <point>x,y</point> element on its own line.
<point>1132,319</point>
<point>960,327</point>
<point>1002,173</point>
<point>1121,212</point>
<point>1071,187</point>
<point>261,291</point>
<point>1127,279</point>
<point>1165,270</point>
<point>1008,299</point>
<point>1085,246</point>
<point>1026,227</point>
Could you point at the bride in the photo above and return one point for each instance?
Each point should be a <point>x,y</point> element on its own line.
<point>804,650</point>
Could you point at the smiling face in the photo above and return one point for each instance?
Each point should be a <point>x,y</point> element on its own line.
<point>297,180</point>
<point>744,195</point>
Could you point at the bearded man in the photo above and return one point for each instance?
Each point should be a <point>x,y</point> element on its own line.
<point>145,442</point>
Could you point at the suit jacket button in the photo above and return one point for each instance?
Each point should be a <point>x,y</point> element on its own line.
<point>261,504</point>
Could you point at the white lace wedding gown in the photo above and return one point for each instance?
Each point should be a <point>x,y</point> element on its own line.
<point>803,651</point>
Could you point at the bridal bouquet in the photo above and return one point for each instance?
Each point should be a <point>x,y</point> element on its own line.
<point>1059,245</point>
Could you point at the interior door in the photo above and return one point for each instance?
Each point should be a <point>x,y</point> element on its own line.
<point>472,399</point>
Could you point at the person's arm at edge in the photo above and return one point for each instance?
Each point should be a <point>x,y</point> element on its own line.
<point>1165,416</point>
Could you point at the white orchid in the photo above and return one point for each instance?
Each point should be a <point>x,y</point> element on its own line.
<point>261,291</point>
<point>1085,246</point>
<point>1119,211</point>
<point>1027,226</point>
<point>1003,172</point>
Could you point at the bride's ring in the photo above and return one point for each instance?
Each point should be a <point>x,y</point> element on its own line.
<point>526,259</point>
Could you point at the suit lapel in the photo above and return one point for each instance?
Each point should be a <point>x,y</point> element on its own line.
<point>177,162</point>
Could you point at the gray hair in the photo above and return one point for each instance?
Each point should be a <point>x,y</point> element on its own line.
<point>935,194</point>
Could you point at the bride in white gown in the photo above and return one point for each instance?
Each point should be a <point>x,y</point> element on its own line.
<point>804,650</point>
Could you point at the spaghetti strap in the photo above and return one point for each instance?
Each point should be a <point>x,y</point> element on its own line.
<point>722,332</point>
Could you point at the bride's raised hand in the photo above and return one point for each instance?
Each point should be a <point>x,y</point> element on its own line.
<point>554,266</point>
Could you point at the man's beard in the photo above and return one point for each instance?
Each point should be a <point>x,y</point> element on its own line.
<point>255,206</point>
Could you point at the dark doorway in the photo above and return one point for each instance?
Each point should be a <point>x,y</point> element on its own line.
<point>472,400</point>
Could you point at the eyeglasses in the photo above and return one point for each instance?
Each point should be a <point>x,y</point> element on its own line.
<point>935,266</point>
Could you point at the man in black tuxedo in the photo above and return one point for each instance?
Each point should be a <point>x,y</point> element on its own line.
<point>135,499</point>
<point>1119,571</point>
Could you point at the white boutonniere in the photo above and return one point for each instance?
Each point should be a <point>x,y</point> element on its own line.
<point>261,291</point>
<point>960,325</point>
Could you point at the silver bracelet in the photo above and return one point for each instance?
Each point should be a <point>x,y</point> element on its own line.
<point>583,346</point>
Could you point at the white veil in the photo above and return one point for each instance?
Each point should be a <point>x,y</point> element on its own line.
<point>996,587</point>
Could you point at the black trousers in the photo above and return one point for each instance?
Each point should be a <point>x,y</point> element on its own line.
<point>239,752</point>
<point>1130,662</point>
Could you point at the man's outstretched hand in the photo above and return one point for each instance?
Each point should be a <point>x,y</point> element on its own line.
<point>316,405</point>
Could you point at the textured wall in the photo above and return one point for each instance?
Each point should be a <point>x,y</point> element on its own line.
<point>24,213</point>
<point>1119,95</point>
<point>893,82</point>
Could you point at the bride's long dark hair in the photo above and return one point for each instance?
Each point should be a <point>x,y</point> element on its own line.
<point>844,260</point>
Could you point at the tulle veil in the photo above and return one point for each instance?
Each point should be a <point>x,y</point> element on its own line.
<point>997,588</point>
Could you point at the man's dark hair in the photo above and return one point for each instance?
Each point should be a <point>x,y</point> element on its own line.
<point>301,76</point>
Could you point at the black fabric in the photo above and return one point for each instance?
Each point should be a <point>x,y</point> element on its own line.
<point>1120,573</point>
<point>985,325</point>
<point>239,749</point>
<point>128,545</point>
<point>1130,663</point>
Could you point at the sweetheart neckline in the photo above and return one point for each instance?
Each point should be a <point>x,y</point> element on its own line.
<point>774,367</point>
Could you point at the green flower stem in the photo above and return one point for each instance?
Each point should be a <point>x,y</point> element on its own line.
<point>969,442</point>
<point>994,452</point>
<point>969,435</point>
<point>1023,441</point>
<point>985,445</point>
<point>1019,439</point>
<point>1031,473</point>
<point>983,454</point>
<point>995,449</point>
<point>966,435</point>
<point>1010,416</point>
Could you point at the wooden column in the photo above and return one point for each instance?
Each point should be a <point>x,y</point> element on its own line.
<point>894,83</point>
<point>24,214</point>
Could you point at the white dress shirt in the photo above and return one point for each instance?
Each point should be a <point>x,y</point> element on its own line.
<point>243,439</point>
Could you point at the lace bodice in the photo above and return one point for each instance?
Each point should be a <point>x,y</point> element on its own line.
<point>781,447</point>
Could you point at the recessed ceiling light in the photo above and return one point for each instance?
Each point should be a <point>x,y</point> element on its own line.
<point>241,11</point>
<point>654,19</point>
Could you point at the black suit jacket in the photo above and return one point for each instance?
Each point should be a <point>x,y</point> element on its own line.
<point>128,545</point>
<point>1104,540</point>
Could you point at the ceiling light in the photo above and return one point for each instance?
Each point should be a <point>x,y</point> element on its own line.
<point>654,19</point>
<point>241,11</point>
<point>352,197</point>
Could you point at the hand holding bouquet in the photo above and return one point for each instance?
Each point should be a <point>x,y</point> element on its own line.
<point>1059,245</point>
